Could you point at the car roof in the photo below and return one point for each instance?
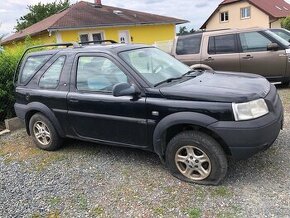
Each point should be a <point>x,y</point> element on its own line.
<point>107,48</point>
<point>224,31</point>
<point>234,31</point>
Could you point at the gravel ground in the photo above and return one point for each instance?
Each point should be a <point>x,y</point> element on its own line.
<point>88,180</point>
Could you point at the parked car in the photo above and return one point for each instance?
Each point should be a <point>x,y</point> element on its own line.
<point>283,33</point>
<point>255,50</point>
<point>138,96</point>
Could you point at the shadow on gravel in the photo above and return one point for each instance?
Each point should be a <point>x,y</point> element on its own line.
<point>239,172</point>
<point>123,154</point>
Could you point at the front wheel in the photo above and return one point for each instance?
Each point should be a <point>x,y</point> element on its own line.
<point>285,84</point>
<point>196,157</point>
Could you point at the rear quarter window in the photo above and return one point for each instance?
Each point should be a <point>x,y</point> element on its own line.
<point>188,44</point>
<point>50,79</point>
<point>32,65</point>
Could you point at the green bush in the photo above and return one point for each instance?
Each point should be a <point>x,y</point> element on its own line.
<point>8,61</point>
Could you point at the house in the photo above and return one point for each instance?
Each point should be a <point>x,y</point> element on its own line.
<point>86,21</point>
<point>247,14</point>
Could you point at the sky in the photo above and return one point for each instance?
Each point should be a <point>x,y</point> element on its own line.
<point>196,11</point>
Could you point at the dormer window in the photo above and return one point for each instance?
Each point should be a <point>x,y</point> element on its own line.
<point>246,13</point>
<point>224,16</point>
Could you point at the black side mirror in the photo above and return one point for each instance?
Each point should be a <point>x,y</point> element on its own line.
<point>124,89</point>
<point>273,46</point>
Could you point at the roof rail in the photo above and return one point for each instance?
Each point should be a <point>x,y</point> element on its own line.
<point>98,41</point>
<point>74,44</point>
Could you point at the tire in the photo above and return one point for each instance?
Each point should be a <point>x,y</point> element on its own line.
<point>201,68</point>
<point>206,157</point>
<point>48,138</point>
<point>285,84</point>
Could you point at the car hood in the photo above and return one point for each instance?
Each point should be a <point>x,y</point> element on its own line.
<point>219,87</point>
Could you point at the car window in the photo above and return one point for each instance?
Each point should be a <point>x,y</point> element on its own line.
<point>154,65</point>
<point>98,74</point>
<point>188,44</point>
<point>222,44</point>
<point>50,78</point>
<point>32,65</point>
<point>283,34</point>
<point>254,42</point>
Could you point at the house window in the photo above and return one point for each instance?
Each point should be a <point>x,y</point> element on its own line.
<point>224,16</point>
<point>245,13</point>
<point>97,37</point>
<point>85,37</point>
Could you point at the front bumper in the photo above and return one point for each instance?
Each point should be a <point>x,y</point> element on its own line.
<point>246,138</point>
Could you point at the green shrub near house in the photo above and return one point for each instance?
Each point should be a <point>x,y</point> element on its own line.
<point>8,63</point>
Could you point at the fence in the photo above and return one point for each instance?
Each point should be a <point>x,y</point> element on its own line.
<point>164,45</point>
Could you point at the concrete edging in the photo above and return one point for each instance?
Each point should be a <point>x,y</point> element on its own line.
<point>14,124</point>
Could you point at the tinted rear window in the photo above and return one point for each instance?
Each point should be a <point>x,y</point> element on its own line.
<point>32,65</point>
<point>222,44</point>
<point>188,44</point>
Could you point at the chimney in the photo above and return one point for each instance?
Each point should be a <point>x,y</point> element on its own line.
<point>98,3</point>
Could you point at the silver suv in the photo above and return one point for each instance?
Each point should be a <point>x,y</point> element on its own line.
<point>255,50</point>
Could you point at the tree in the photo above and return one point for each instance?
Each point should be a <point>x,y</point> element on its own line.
<point>285,23</point>
<point>183,31</point>
<point>39,12</point>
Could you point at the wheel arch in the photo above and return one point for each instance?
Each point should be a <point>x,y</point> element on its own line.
<point>173,124</point>
<point>36,107</point>
<point>201,66</point>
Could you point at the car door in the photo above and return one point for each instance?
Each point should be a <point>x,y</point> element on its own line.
<point>221,52</point>
<point>255,58</point>
<point>94,113</point>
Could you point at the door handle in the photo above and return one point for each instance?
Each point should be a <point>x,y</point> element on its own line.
<point>248,57</point>
<point>209,59</point>
<point>73,100</point>
<point>283,55</point>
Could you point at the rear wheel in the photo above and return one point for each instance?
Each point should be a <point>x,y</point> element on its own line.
<point>196,157</point>
<point>43,133</point>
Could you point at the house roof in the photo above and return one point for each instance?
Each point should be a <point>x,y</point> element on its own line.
<point>86,15</point>
<point>274,8</point>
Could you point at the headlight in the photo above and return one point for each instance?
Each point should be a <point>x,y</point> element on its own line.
<point>250,110</point>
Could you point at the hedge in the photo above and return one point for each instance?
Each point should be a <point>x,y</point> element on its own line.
<point>8,62</point>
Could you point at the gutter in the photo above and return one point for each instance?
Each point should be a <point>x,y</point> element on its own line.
<point>112,26</point>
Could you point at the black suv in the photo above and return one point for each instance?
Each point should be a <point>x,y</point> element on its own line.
<point>138,96</point>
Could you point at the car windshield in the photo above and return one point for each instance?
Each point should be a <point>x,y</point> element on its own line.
<point>285,34</point>
<point>154,65</point>
<point>278,38</point>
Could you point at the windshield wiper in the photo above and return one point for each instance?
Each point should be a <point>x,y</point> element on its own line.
<point>167,81</point>
<point>189,73</point>
<point>197,73</point>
